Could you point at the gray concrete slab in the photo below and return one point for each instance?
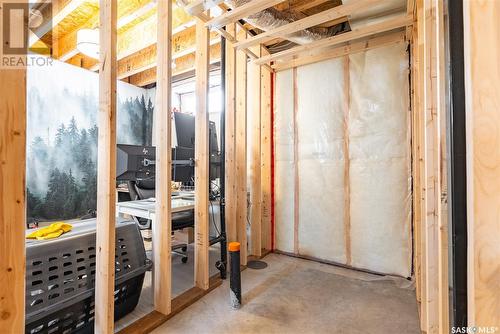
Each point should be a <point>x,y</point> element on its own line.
<point>298,296</point>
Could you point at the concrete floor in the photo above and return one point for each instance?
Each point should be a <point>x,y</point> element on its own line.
<point>182,280</point>
<point>299,296</point>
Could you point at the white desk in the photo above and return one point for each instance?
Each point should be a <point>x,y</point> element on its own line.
<point>146,208</point>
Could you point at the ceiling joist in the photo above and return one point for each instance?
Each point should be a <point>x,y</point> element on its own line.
<point>238,13</point>
<point>340,12</point>
<point>365,31</point>
<point>342,50</point>
<point>199,6</point>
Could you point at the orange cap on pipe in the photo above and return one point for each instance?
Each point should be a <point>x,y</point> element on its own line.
<point>234,246</point>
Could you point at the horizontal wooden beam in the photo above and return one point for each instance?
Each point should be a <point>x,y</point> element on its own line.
<point>305,5</point>
<point>183,66</point>
<point>328,15</point>
<point>339,51</point>
<point>372,29</point>
<point>199,6</point>
<point>238,13</point>
<point>230,38</point>
<point>131,39</point>
<point>147,59</point>
<point>56,19</point>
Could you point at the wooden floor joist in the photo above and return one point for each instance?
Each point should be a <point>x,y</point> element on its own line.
<point>162,225</point>
<point>202,183</point>
<point>106,171</point>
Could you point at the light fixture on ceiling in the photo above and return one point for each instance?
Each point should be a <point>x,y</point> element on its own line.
<point>87,42</point>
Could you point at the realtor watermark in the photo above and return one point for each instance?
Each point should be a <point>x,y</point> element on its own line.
<point>475,330</point>
<point>26,34</point>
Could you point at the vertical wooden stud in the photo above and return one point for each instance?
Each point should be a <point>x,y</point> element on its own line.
<point>266,151</point>
<point>201,276</point>
<point>435,296</point>
<point>296,199</point>
<point>420,110</point>
<point>230,159</point>
<point>442,228</point>
<point>347,182</point>
<point>240,150</point>
<point>415,140</point>
<point>12,200</point>
<point>106,171</point>
<point>255,167</point>
<point>162,225</point>
<point>482,96</point>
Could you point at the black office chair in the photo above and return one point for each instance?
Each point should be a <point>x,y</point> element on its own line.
<point>145,189</point>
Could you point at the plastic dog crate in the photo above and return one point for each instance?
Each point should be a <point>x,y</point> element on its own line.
<point>60,278</point>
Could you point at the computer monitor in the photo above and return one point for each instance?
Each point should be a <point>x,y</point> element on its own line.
<point>185,132</point>
<point>138,163</point>
<point>183,164</point>
<point>135,162</point>
<point>184,128</point>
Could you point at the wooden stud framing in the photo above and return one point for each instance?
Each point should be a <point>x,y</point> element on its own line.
<point>231,38</point>
<point>240,149</point>
<point>162,225</point>
<point>106,171</point>
<point>237,13</point>
<point>305,5</point>
<point>419,75</point>
<point>255,165</point>
<point>12,200</point>
<point>349,48</point>
<point>347,182</point>
<point>432,255</point>
<point>201,276</point>
<point>371,29</point>
<point>199,6</point>
<point>416,157</point>
<point>482,95</point>
<point>431,121</point>
<point>334,13</point>
<point>296,164</point>
<point>230,159</point>
<point>266,129</point>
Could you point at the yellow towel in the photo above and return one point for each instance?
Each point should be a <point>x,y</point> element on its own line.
<point>52,231</point>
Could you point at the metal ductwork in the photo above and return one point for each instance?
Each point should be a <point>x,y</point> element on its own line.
<point>272,18</point>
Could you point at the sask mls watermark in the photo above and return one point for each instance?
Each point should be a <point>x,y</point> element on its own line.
<point>26,33</point>
<point>474,330</point>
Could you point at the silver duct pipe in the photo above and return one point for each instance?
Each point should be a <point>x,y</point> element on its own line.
<point>271,18</point>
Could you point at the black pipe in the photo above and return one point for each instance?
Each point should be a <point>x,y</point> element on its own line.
<point>235,279</point>
<point>222,265</point>
<point>457,165</point>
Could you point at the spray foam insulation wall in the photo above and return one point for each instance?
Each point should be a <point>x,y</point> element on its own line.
<point>322,111</point>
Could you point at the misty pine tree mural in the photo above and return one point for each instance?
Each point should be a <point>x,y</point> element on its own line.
<point>62,139</point>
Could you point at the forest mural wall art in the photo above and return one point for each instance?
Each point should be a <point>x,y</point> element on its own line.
<point>62,138</point>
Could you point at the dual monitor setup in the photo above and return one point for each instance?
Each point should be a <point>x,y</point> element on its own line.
<point>137,163</point>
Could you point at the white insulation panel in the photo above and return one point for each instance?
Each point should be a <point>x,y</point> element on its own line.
<point>320,129</point>
<point>284,162</point>
<point>379,161</point>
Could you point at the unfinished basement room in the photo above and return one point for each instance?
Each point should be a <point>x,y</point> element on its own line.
<point>250,166</point>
